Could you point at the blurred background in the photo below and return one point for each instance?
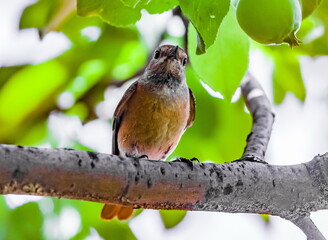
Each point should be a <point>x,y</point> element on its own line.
<point>62,75</point>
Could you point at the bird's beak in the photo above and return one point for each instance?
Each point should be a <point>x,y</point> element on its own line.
<point>174,52</point>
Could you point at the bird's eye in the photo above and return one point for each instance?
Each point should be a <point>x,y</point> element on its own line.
<point>157,54</point>
<point>184,61</point>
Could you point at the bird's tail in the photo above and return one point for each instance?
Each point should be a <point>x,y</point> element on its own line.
<point>121,212</point>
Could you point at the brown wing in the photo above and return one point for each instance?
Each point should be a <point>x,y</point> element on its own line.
<point>119,114</point>
<point>192,111</point>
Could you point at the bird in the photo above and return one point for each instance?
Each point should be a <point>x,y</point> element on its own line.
<point>153,114</point>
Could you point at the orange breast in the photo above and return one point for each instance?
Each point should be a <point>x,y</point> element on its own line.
<point>153,123</point>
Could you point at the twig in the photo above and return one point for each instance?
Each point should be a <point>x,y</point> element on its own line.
<point>263,118</point>
<point>309,228</point>
<point>177,12</point>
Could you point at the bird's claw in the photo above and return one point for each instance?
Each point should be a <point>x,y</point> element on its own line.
<point>189,162</point>
<point>250,159</point>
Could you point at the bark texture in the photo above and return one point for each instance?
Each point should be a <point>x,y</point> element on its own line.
<point>263,118</point>
<point>245,187</point>
<point>309,228</point>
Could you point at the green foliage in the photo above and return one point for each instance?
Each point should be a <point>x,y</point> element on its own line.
<point>89,213</point>
<point>308,6</point>
<point>39,14</point>
<point>7,72</point>
<point>121,13</point>
<point>28,93</point>
<point>171,218</point>
<point>265,217</point>
<point>35,85</point>
<point>206,16</point>
<point>73,26</point>
<point>19,223</point>
<point>159,6</point>
<point>287,76</point>
<point>230,54</point>
<point>87,75</point>
<point>319,45</point>
<point>114,12</point>
<point>3,217</point>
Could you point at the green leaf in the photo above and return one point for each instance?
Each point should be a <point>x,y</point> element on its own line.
<point>3,217</point>
<point>279,93</point>
<point>90,212</point>
<point>200,45</point>
<point>27,92</point>
<point>308,7</point>
<point>114,12</point>
<point>132,58</point>
<point>265,217</point>
<point>39,14</point>
<point>318,46</point>
<point>36,135</point>
<point>88,75</point>
<point>7,72</point>
<point>206,16</point>
<point>107,229</point>
<point>114,229</point>
<point>287,76</point>
<point>171,218</point>
<point>159,6</point>
<point>54,15</point>
<point>24,222</point>
<point>226,61</point>
<point>80,110</point>
<point>135,3</point>
<point>73,26</point>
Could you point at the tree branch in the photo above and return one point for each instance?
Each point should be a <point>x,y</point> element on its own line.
<point>309,228</point>
<point>257,142</point>
<point>244,187</point>
<point>291,192</point>
<point>263,118</point>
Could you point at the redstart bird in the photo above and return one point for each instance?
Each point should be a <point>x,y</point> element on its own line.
<point>153,114</point>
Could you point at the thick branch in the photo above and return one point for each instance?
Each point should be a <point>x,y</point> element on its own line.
<point>260,108</point>
<point>244,187</point>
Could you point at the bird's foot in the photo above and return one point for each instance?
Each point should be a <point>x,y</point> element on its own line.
<point>189,162</point>
<point>250,159</point>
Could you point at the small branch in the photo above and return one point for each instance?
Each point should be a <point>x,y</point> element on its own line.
<point>177,12</point>
<point>309,228</point>
<point>263,118</point>
<point>64,11</point>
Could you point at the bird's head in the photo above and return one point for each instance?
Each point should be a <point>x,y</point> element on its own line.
<point>167,64</point>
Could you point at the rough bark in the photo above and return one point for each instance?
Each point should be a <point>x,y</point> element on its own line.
<point>263,118</point>
<point>245,187</point>
<point>309,228</point>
